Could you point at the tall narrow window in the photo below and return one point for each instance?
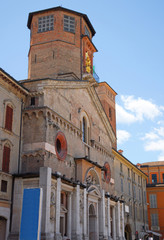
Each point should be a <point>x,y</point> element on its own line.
<point>154,219</point>
<point>139,180</point>
<point>110,113</point>
<point>163,177</point>
<point>153,200</point>
<point>129,188</point>
<point>122,187</point>
<point>121,168</point>
<point>32,101</point>
<point>139,194</point>
<point>134,191</point>
<point>128,172</point>
<point>154,178</point>
<point>6,159</point>
<point>9,118</point>
<point>84,130</point>
<point>134,177</point>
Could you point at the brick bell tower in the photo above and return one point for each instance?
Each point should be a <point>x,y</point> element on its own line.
<point>60,45</point>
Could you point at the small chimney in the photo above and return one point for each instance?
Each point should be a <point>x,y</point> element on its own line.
<point>120,151</point>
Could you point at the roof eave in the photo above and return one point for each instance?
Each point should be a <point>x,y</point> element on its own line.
<point>63,9</point>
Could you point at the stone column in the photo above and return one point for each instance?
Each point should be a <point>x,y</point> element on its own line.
<point>85,213</point>
<point>102,215</point>
<point>17,209</point>
<point>123,222</point>
<point>45,184</point>
<point>58,201</point>
<point>77,231</point>
<point>114,222</point>
<point>69,215</point>
<point>108,219</point>
<point>118,221</point>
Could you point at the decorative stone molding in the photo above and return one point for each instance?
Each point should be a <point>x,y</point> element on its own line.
<point>100,148</point>
<point>54,120</point>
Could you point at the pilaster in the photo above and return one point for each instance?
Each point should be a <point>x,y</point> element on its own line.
<point>123,222</point>
<point>118,221</point>
<point>102,216</point>
<point>108,219</point>
<point>45,184</point>
<point>85,215</point>
<point>69,216</point>
<point>58,202</point>
<point>114,222</point>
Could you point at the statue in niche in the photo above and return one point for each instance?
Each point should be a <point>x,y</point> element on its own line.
<point>52,206</point>
<point>89,180</point>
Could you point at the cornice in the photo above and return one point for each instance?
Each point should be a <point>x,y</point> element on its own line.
<point>127,162</point>
<point>101,112</point>
<point>5,78</point>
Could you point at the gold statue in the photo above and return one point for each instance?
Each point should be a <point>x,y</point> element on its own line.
<point>87,63</point>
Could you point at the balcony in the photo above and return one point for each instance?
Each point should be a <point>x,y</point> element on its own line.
<point>91,71</point>
<point>157,184</point>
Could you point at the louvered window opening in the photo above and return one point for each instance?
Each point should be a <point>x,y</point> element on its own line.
<point>69,24</point>
<point>9,118</point>
<point>46,23</point>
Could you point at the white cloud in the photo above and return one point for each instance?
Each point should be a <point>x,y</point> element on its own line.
<point>138,109</point>
<point>162,108</point>
<point>155,145</point>
<point>154,141</point>
<point>123,116</point>
<point>161,157</point>
<point>122,136</point>
<point>160,131</point>
<point>150,136</point>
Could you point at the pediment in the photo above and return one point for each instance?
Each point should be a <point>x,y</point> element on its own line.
<point>94,191</point>
<point>67,76</point>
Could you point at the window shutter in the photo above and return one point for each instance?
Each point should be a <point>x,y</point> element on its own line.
<point>153,201</point>
<point>6,159</point>
<point>9,118</point>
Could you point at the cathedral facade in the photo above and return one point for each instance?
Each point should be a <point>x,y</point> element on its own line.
<point>65,139</point>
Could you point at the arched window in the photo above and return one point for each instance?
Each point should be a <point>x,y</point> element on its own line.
<point>9,118</point>
<point>110,113</point>
<point>6,158</point>
<point>84,130</point>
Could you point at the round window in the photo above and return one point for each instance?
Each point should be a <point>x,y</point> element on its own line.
<point>107,172</point>
<point>61,146</point>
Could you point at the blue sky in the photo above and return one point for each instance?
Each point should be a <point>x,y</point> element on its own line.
<point>130,42</point>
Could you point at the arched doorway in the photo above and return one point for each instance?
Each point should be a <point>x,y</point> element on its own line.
<point>128,232</point>
<point>92,223</point>
<point>3,223</point>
